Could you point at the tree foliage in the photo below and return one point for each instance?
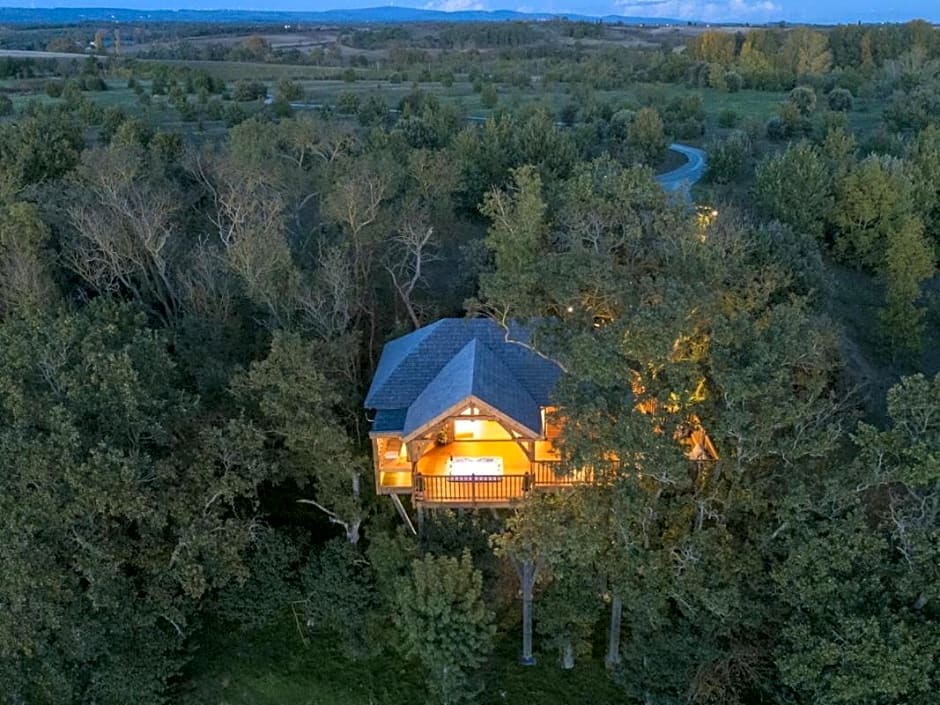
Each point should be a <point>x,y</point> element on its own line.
<point>794,187</point>
<point>190,317</point>
<point>99,436</point>
<point>445,624</point>
<point>861,572</point>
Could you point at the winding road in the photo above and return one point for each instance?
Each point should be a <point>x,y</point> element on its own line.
<point>680,180</point>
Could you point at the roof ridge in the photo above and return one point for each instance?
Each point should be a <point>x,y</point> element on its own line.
<point>451,384</point>
<point>410,363</point>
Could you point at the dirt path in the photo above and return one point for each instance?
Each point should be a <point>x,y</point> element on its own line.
<point>680,180</point>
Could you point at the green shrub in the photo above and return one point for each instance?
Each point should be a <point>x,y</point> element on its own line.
<point>840,99</point>
<point>289,91</point>
<point>347,103</point>
<point>94,83</point>
<point>727,157</point>
<point>372,111</point>
<point>245,91</point>
<point>488,96</point>
<point>268,590</point>
<point>803,98</point>
<point>214,109</point>
<point>728,118</point>
<point>338,595</point>
<point>776,129</point>
<point>734,81</point>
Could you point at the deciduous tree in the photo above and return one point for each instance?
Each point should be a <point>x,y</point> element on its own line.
<point>794,187</point>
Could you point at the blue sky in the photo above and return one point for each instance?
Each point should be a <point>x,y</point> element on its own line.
<point>718,10</point>
<point>819,11</point>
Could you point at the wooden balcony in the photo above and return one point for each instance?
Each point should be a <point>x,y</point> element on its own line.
<point>470,490</point>
<point>435,490</point>
<point>472,473</point>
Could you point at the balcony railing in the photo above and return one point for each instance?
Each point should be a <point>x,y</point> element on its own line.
<point>546,474</point>
<point>494,490</point>
<point>471,490</point>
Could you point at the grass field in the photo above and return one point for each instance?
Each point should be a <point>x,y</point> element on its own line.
<point>275,667</point>
<point>757,104</point>
<point>322,86</point>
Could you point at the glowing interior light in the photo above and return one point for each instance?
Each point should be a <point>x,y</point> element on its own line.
<point>465,429</point>
<point>475,466</point>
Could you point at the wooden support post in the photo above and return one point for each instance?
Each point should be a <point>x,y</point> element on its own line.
<point>613,643</point>
<point>528,571</point>
<point>396,500</point>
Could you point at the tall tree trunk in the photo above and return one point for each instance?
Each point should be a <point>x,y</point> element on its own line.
<point>613,643</point>
<point>352,531</point>
<point>567,656</point>
<point>527,571</point>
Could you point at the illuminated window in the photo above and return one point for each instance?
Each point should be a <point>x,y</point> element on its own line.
<point>466,429</point>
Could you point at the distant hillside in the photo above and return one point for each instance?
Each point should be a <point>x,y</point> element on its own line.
<point>387,15</point>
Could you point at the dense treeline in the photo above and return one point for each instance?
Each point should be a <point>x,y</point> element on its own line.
<point>771,59</point>
<point>188,326</point>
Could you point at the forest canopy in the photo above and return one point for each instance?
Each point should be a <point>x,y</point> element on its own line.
<point>201,263</point>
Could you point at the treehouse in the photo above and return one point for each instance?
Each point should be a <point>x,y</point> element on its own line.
<point>463,418</point>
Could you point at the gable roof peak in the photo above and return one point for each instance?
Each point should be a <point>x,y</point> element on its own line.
<point>462,356</point>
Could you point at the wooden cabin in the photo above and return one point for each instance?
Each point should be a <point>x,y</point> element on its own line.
<point>461,417</point>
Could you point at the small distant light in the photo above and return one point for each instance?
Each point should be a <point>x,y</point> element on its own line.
<point>570,309</point>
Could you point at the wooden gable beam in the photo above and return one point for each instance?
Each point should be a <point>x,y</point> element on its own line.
<point>492,412</point>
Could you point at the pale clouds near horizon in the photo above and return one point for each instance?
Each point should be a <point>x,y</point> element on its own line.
<point>701,10</point>
<point>704,10</point>
<point>455,5</point>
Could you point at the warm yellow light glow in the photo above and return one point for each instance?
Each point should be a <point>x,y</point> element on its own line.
<point>468,465</point>
<point>479,430</point>
<point>465,429</point>
<point>704,217</point>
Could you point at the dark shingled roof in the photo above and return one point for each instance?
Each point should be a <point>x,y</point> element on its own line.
<point>427,372</point>
<point>389,420</point>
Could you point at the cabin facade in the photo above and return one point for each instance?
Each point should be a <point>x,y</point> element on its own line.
<point>461,417</point>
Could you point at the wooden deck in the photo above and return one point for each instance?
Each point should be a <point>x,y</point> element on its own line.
<point>437,486</point>
<point>438,482</point>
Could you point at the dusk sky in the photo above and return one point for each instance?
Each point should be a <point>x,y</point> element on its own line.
<point>819,11</point>
<point>711,10</point>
